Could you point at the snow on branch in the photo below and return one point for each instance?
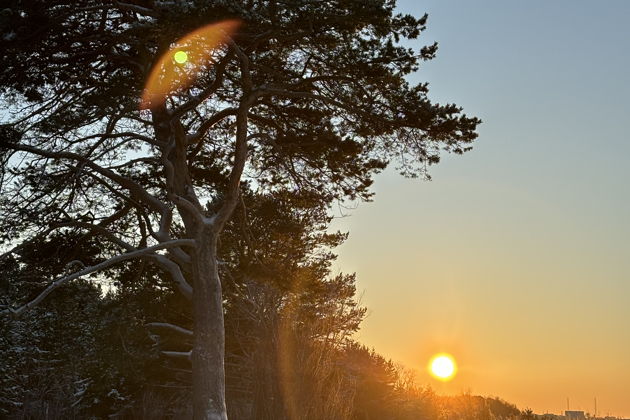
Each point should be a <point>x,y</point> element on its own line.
<point>171,327</point>
<point>94,268</point>
<point>178,354</point>
<point>176,274</point>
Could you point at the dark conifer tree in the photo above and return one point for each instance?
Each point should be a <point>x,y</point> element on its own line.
<point>307,96</point>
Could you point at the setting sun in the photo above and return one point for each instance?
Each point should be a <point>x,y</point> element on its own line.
<point>442,366</point>
<point>247,182</point>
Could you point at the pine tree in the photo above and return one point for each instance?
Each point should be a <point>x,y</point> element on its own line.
<point>307,96</point>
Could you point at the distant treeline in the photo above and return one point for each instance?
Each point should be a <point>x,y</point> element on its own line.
<point>82,355</point>
<point>122,349</point>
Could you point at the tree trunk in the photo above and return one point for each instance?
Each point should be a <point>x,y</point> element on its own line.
<point>208,372</point>
<point>207,357</point>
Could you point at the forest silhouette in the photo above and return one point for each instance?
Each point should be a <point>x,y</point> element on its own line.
<point>165,207</point>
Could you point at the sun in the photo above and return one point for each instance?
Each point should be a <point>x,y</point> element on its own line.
<point>443,367</point>
<point>180,57</point>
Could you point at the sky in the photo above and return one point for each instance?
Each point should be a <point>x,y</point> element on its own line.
<point>515,257</point>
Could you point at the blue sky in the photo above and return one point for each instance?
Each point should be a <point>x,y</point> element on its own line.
<point>515,257</point>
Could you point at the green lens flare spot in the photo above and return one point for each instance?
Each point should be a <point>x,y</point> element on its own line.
<point>180,57</point>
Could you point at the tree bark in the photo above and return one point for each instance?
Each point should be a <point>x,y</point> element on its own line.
<point>207,357</point>
<point>208,372</point>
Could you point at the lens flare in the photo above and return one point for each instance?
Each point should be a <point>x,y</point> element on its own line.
<point>442,366</point>
<point>169,76</point>
<point>180,57</point>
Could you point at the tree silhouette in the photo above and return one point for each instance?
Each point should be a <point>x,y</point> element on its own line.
<point>307,96</point>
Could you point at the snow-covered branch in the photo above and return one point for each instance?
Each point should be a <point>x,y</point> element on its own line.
<point>178,354</point>
<point>176,274</point>
<point>94,268</point>
<point>171,327</point>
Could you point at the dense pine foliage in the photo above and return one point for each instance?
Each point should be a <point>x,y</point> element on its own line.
<point>175,260</point>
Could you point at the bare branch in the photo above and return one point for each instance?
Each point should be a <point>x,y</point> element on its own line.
<point>135,8</point>
<point>42,235</point>
<point>99,229</point>
<point>171,327</point>
<point>210,122</point>
<point>245,64</point>
<point>178,354</point>
<point>128,134</point>
<point>183,203</point>
<point>240,157</point>
<point>136,189</point>
<point>240,149</point>
<point>94,268</point>
<point>176,274</point>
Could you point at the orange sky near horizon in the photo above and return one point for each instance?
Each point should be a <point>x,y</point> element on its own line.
<point>514,259</point>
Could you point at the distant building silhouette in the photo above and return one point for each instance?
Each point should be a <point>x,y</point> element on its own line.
<point>574,415</point>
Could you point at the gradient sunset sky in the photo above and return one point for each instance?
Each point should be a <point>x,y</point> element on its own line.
<point>515,258</point>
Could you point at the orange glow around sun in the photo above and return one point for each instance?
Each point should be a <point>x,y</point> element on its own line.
<point>179,66</point>
<point>443,367</point>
